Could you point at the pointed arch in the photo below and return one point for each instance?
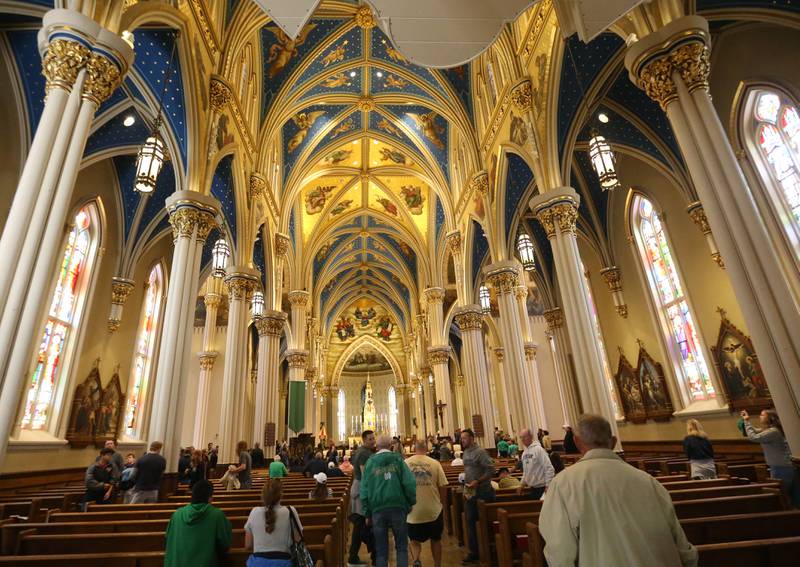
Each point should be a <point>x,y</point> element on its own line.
<point>353,347</point>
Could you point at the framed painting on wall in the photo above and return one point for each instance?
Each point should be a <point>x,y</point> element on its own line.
<point>630,391</point>
<point>657,401</point>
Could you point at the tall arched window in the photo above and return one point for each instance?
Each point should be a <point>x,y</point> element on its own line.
<point>601,346</point>
<point>668,293</point>
<point>59,337</point>
<point>341,418</point>
<point>392,411</point>
<point>774,131</point>
<point>144,355</point>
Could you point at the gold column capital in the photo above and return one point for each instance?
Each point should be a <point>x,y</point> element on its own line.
<point>438,355</point>
<point>103,76</point>
<point>559,215</point>
<point>121,288</point>
<point>480,183</point>
<point>434,294</point>
<point>271,323</point>
<point>297,358</point>
<point>521,292</point>
<point>469,318</point>
<point>212,299</point>
<point>240,285</point>
<point>298,298</point>
<point>184,220</point>
<point>530,351</point>
<point>503,277</point>
<point>698,215</point>
<point>554,318</point>
<point>453,240</point>
<point>500,353</point>
<point>281,244</point>
<point>207,360</point>
<point>61,63</point>
<point>258,185</point>
<point>612,275</point>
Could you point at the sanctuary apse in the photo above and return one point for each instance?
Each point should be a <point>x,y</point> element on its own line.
<point>215,230</point>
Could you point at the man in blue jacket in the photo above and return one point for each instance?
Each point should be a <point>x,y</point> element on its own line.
<point>388,492</point>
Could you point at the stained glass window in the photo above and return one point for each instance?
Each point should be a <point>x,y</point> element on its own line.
<point>601,346</point>
<point>777,137</point>
<point>341,418</point>
<point>392,411</point>
<point>143,357</point>
<point>58,337</point>
<point>668,293</point>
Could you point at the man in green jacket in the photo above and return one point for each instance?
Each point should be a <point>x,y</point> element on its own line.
<point>388,492</point>
<point>198,534</point>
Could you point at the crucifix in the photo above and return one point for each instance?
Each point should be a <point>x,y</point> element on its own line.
<point>440,408</point>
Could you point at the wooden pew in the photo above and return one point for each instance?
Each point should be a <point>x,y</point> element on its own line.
<point>780,552</point>
<point>721,491</point>
<point>487,516</point>
<point>740,527</point>
<point>509,527</point>
<point>729,505</point>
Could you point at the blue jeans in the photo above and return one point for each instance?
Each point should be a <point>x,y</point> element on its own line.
<point>485,493</point>
<point>394,518</point>
<point>790,482</point>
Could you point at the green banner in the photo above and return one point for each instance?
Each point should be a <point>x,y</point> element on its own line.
<point>297,405</point>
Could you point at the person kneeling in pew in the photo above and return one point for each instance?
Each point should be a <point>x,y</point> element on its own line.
<point>198,534</point>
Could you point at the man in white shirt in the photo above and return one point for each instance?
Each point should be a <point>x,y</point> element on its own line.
<point>425,521</point>
<point>603,512</point>
<point>537,470</point>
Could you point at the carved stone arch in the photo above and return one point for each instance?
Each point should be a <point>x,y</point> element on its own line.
<point>373,342</point>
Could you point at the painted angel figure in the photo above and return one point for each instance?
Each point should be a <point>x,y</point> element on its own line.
<point>394,156</point>
<point>384,328</point>
<point>316,198</point>
<point>413,197</point>
<point>344,328</point>
<point>341,207</point>
<point>388,206</point>
<point>304,121</point>
<point>285,49</point>
<point>426,123</point>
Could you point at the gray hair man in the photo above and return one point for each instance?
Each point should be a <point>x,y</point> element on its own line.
<point>537,470</point>
<point>587,504</point>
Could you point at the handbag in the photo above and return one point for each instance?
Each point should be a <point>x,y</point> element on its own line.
<point>301,557</point>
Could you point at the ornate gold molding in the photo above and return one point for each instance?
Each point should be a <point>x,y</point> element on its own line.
<point>219,94</point>
<point>61,63</point>
<point>258,185</point>
<point>281,245</point>
<point>240,286</point>
<point>202,19</point>
<point>453,240</point>
<point>530,351</point>
<point>500,354</point>
<point>693,62</point>
<point>364,17</point>
<point>521,292</point>
<point>698,216</point>
<point>554,318</point>
<point>469,319</point>
<point>185,220</point>
<point>102,78</point>
<point>438,355</point>
<point>212,300</point>
<point>522,96</point>
<point>622,311</point>
<point>271,323</point>
<point>121,288</point>
<point>366,103</point>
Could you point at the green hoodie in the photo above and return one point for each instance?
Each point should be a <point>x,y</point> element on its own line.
<point>197,535</point>
<point>387,482</point>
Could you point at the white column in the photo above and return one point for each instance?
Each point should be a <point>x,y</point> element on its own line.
<point>507,419</point>
<point>416,396</point>
<point>298,300</point>
<point>533,371</point>
<point>503,276</point>
<point>470,320</point>
<point>557,211</point>
<point>429,395</point>
<point>240,281</point>
<point>533,390</point>
<point>207,358</point>
<point>439,358</point>
<point>268,395</point>
<point>461,410</point>
<point>192,218</point>
<point>567,391</point>
<point>672,66</point>
<point>79,79</point>
<point>121,288</point>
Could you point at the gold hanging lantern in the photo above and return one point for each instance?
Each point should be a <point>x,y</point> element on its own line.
<point>603,161</point>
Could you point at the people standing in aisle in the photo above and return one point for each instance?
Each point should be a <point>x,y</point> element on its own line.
<point>537,470</point>
<point>116,458</point>
<point>198,534</point>
<point>360,533</point>
<point>184,464</point>
<point>776,451</point>
<point>257,455</point>
<point>321,490</point>
<point>99,479</point>
<point>149,470</point>
<point>699,451</point>
<point>513,449</point>
<point>388,492</point>
<point>213,458</point>
<point>271,528</point>
<point>197,468</point>
<point>478,473</point>
<point>245,467</point>
<point>502,448</point>
<point>128,478</point>
<point>547,444</point>
<point>588,502</point>
<point>276,468</point>
<point>426,520</point>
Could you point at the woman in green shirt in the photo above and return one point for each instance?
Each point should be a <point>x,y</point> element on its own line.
<point>276,468</point>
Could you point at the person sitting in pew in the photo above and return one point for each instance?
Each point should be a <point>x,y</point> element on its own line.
<point>276,468</point>
<point>100,479</point>
<point>198,534</point>
<point>321,490</point>
<point>346,467</point>
<point>315,465</point>
<point>699,451</point>
<point>505,480</point>
<point>268,530</point>
<point>537,470</point>
<point>334,471</point>
<point>776,451</point>
<point>602,511</point>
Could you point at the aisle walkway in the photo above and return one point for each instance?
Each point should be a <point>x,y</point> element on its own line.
<point>451,553</point>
